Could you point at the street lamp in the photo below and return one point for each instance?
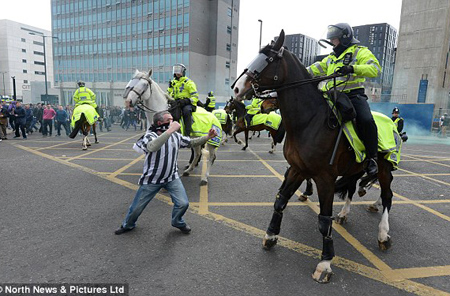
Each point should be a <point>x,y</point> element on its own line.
<point>45,61</point>
<point>260,33</point>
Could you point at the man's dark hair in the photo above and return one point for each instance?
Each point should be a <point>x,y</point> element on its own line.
<point>159,116</point>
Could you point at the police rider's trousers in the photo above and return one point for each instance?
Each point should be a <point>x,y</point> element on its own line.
<point>364,122</point>
<point>187,118</point>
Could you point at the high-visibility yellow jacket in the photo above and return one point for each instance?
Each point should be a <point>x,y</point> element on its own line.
<point>364,63</point>
<point>254,107</point>
<point>84,95</point>
<point>211,102</point>
<point>183,88</point>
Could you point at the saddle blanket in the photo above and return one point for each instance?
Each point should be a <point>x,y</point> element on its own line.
<point>389,140</point>
<point>271,120</point>
<point>88,111</point>
<point>203,121</point>
<point>221,115</point>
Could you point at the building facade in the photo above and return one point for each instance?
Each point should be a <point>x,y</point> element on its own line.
<point>102,42</point>
<point>22,57</point>
<point>304,47</point>
<point>422,65</point>
<point>381,40</point>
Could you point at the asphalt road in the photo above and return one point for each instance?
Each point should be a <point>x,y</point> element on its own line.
<point>59,207</point>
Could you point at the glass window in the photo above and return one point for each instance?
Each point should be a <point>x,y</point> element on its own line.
<point>23,39</point>
<point>24,60</point>
<point>229,11</point>
<point>24,71</point>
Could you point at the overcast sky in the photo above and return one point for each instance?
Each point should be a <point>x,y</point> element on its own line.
<point>306,17</point>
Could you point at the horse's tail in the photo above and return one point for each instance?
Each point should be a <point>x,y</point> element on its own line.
<point>77,127</point>
<point>346,185</point>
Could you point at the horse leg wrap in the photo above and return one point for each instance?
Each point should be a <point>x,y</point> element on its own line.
<point>275,223</point>
<point>280,202</point>
<point>325,227</point>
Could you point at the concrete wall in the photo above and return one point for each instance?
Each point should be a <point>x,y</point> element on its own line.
<point>422,51</point>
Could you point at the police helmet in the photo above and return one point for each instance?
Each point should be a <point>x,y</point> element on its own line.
<point>343,32</point>
<point>210,94</point>
<point>179,69</point>
<point>396,110</point>
<point>81,83</point>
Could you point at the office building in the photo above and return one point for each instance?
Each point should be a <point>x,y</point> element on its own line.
<point>102,42</point>
<point>381,40</point>
<point>22,57</point>
<point>304,47</point>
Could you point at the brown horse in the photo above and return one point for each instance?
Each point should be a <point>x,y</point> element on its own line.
<point>308,147</point>
<point>83,125</point>
<point>239,108</point>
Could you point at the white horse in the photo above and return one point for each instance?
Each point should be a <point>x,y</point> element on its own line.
<point>147,94</point>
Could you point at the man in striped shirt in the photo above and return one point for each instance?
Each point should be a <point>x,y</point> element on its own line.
<point>161,144</point>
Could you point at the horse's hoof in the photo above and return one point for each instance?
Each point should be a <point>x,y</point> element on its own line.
<point>303,197</point>
<point>96,142</point>
<point>88,144</point>
<point>244,148</point>
<point>341,220</point>
<point>372,209</point>
<point>362,192</point>
<point>203,182</point>
<point>271,151</point>
<point>185,174</point>
<point>322,277</point>
<point>384,246</point>
<point>269,243</point>
<point>84,148</point>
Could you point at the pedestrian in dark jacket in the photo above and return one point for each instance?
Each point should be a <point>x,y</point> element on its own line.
<point>20,120</point>
<point>61,118</point>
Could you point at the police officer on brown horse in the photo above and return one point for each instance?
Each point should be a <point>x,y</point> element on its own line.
<point>355,62</point>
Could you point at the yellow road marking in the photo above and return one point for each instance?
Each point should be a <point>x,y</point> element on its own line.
<point>101,158</point>
<point>425,177</point>
<point>340,262</point>
<point>433,162</point>
<point>100,149</point>
<point>203,207</point>
<point>122,169</point>
<point>423,272</point>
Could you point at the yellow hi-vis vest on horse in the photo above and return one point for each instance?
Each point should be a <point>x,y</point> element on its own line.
<point>203,121</point>
<point>88,111</point>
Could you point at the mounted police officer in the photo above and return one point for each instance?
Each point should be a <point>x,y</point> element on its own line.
<point>84,95</point>
<point>355,62</point>
<point>253,109</point>
<point>210,104</point>
<point>184,91</point>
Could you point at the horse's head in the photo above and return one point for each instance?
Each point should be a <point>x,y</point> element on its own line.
<point>229,106</point>
<point>266,72</point>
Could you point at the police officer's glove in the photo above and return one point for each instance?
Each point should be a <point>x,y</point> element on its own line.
<point>344,70</point>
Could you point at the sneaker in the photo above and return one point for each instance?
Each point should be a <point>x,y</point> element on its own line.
<point>185,229</point>
<point>121,230</point>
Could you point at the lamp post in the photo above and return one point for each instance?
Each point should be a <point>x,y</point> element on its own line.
<point>45,62</point>
<point>260,33</point>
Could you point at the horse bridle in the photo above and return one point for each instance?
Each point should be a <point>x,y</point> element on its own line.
<point>257,66</point>
<point>139,91</point>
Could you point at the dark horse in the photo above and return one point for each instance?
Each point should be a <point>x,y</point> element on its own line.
<point>83,125</point>
<point>308,146</point>
<point>239,108</point>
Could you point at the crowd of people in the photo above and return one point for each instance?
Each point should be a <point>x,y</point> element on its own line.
<point>49,119</point>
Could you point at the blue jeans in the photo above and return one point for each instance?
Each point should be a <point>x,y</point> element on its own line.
<point>147,192</point>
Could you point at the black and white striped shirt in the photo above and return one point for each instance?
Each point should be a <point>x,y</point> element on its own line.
<point>161,166</point>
